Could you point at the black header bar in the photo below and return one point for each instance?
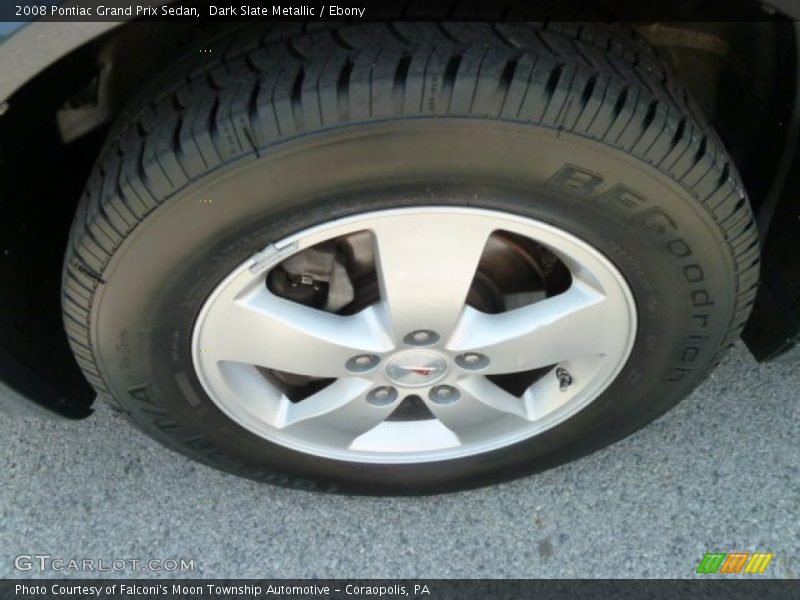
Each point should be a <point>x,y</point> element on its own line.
<point>377,10</point>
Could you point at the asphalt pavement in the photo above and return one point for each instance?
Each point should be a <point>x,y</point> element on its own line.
<point>718,473</point>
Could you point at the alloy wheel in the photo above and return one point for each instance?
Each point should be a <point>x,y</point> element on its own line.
<point>423,354</point>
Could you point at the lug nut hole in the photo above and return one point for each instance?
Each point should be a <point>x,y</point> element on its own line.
<point>472,361</point>
<point>382,396</point>
<point>362,363</point>
<point>444,394</point>
<point>421,337</point>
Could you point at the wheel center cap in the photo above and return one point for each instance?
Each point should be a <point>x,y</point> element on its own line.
<point>416,368</point>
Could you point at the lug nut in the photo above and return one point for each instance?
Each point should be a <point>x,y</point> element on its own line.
<point>472,361</point>
<point>362,363</point>
<point>444,394</point>
<point>382,396</point>
<point>421,337</point>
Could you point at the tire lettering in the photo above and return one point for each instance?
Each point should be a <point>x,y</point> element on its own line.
<point>146,403</point>
<point>583,183</point>
<point>575,181</point>
<point>679,248</point>
<point>690,353</point>
<point>693,273</point>
<point>654,220</point>
<point>701,298</point>
<point>620,197</point>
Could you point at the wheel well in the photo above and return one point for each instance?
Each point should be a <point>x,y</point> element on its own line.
<point>742,73</point>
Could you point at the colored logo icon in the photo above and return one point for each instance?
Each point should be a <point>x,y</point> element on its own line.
<point>734,562</point>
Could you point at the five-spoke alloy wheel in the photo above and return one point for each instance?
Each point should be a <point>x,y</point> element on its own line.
<point>420,339</point>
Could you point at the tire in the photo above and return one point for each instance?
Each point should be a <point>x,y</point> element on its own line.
<point>581,128</point>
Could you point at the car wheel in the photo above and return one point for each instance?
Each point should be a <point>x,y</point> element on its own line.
<point>407,258</point>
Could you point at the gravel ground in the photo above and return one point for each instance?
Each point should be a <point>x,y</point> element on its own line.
<point>718,473</point>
